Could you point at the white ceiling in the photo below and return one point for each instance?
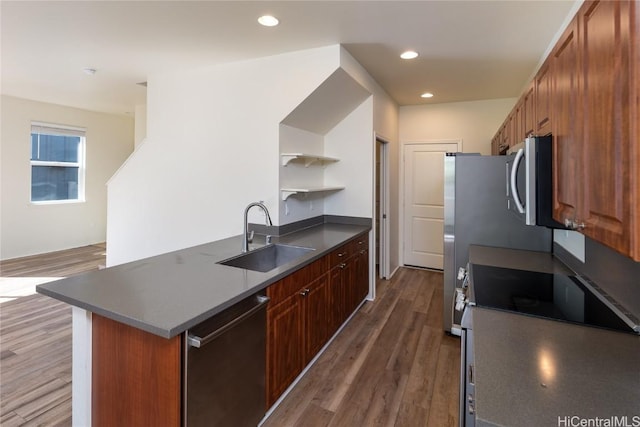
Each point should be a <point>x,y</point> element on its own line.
<point>469,50</point>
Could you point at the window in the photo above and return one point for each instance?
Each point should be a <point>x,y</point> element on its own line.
<point>57,163</point>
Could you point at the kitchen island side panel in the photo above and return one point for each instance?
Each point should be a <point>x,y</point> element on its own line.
<point>136,376</point>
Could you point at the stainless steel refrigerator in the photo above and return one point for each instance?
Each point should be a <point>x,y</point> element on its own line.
<point>475,212</point>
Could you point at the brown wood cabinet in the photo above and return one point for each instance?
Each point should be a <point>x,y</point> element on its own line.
<point>297,327</point>
<point>498,145</point>
<point>495,145</point>
<point>518,122</point>
<point>609,92</point>
<point>136,376</point>
<point>595,125</point>
<point>317,317</point>
<point>338,282</point>
<point>542,103</point>
<point>567,145</point>
<point>528,105</point>
<point>308,307</point>
<point>293,299</point>
<point>587,95</point>
<point>360,288</point>
<point>509,130</point>
<point>285,345</point>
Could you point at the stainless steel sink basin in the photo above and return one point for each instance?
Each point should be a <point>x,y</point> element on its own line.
<point>266,258</point>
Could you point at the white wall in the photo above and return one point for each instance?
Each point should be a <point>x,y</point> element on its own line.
<point>475,122</point>
<point>296,175</point>
<point>351,142</point>
<point>140,130</point>
<point>28,229</point>
<point>212,147</point>
<point>385,125</point>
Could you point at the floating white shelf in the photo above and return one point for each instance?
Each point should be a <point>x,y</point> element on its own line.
<point>287,192</point>
<point>308,159</point>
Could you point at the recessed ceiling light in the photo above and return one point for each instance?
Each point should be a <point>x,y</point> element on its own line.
<point>410,54</point>
<point>427,95</point>
<point>268,21</point>
<point>89,71</point>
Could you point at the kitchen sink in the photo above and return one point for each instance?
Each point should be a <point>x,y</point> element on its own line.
<point>266,258</point>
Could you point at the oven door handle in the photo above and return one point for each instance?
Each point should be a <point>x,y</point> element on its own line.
<point>514,176</point>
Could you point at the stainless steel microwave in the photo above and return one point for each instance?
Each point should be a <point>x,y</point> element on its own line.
<point>529,176</point>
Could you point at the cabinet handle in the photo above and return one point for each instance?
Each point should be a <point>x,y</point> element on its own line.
<point>305,292</point>
<point>343,265</point>
<point>360,242</point>
<point>197,342</point>
<point>574,225</point>
<point>341,254</point>
<point>363,251</point>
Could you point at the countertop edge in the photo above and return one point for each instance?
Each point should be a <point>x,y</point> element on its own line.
<point>178,329</point>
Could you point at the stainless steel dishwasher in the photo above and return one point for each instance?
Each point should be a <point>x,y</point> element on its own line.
<point>224,367</point>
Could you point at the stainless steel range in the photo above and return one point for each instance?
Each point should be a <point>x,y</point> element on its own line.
<point>559,297</point>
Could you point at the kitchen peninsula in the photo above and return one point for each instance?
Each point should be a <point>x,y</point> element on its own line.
<point>154,301</point>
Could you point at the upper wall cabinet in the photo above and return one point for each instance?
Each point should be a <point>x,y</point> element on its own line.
<point>595,125</point>
<point>542,101</point>
<point>567,145</point>
<point>609,87</point>
<point>587,95</point>
<point>520,123</point>
<point>528,106</point>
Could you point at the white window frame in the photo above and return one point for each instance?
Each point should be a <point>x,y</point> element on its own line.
<point>64,130</point>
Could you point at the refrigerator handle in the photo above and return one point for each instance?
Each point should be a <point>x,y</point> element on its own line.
<point>514,175</point>
<point>507,167</point>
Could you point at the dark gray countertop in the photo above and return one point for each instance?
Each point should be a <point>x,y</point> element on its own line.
<point>530,371</point>
<point>167,294</point>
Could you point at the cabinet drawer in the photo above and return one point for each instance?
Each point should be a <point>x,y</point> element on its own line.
<point>349,249</point>
<point>339,255</point>
<point>359,243</point>
<point>291,284</point>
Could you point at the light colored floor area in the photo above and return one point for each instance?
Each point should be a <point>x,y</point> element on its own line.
<point>15,287</point>
<point>19,277</point>
<point>35,338</point>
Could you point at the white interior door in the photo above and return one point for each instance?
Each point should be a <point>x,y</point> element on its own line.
<point>424,203</point>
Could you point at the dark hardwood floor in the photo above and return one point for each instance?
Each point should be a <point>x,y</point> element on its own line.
<point>391,365</point>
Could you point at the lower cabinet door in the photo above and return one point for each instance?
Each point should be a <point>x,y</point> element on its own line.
<point>285,346</point>
<point>300,325</point>
<point>318,319</point>
<point>338,281</point>
<point>362,278</point>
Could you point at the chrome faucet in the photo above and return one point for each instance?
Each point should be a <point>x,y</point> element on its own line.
<point>248,238</point>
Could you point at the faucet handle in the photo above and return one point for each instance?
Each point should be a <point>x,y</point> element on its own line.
<point>250,236</point>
